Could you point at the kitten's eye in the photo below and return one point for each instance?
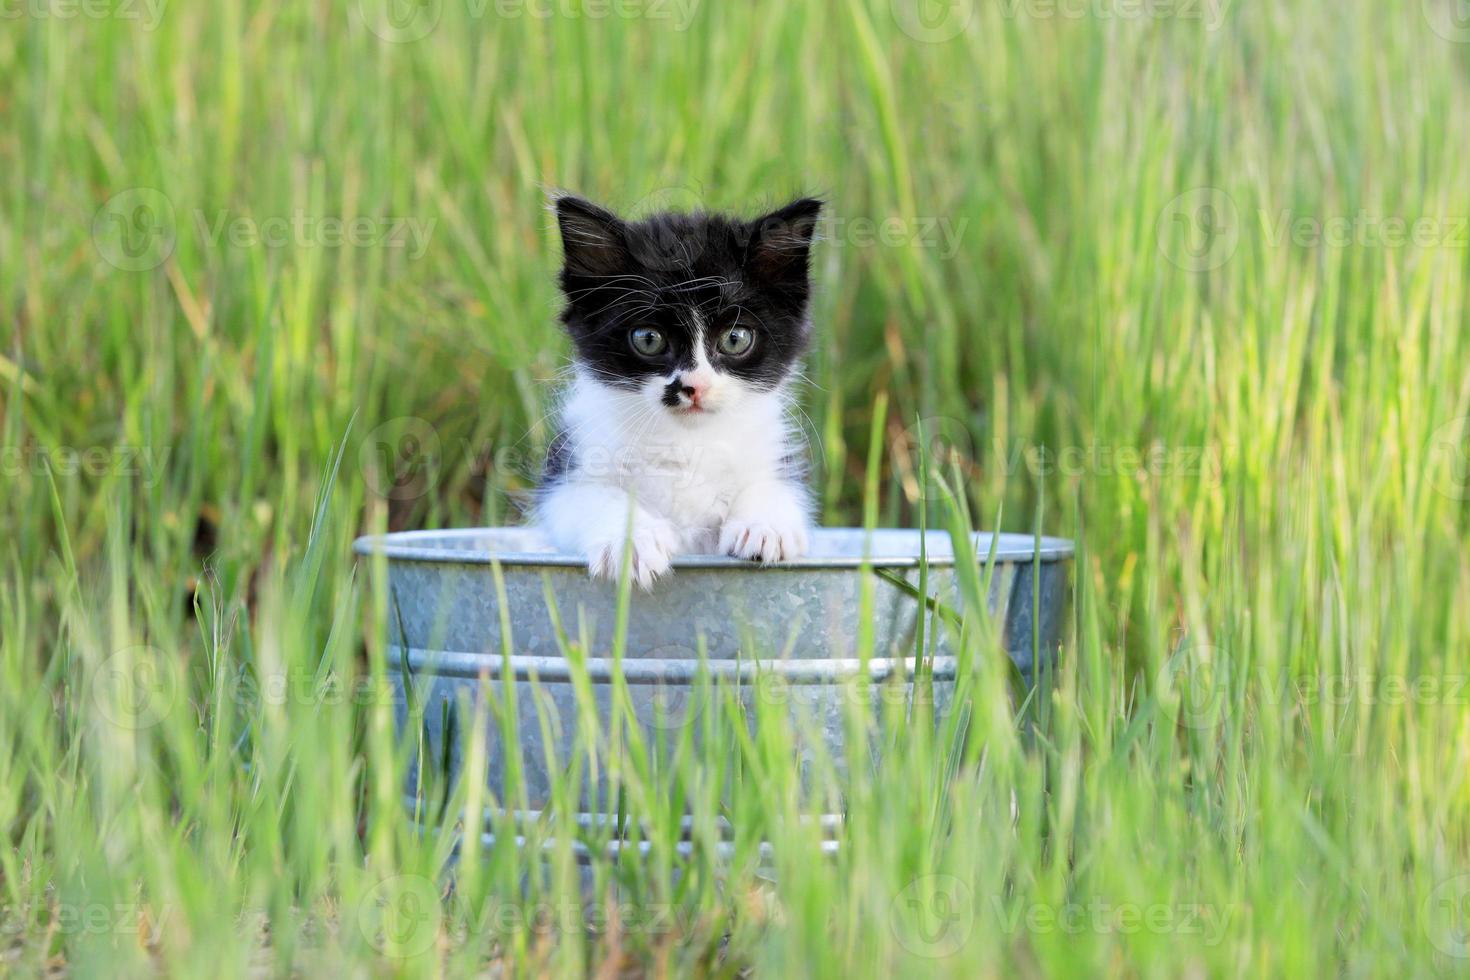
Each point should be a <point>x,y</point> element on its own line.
<point>648,341</point>
<point>737,341</point>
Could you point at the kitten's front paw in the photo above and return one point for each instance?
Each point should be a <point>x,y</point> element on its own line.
<point>763,541</point>
<point>653,545</point>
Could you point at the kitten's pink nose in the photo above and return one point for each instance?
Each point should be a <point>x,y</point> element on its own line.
<point>695,385</point>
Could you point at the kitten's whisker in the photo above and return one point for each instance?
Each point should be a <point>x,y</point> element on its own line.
<point>690,285</point>
<point>575,293</point>
<point>625,317</point>
<point>810,426</point>
<point>806,379</point>
<point>631,302</point>
<point>617,436</point>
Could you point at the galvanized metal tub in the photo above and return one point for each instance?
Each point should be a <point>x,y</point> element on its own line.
<point>722,619</point>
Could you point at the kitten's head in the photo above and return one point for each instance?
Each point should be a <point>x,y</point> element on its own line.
<point>692,312</point>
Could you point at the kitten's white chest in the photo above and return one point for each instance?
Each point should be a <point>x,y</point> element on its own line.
<point>640,482</point>
<point>691,482</point>
<point>687,474</point>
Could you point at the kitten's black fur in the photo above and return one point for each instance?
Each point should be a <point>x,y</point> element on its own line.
<point>674,271</point>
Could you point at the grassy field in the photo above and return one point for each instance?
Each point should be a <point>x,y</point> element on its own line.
<point>1183,280</point>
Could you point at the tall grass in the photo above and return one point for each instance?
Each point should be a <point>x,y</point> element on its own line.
<point>1188,281</point>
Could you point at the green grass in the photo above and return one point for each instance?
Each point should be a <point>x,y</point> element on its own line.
<point>1255,761</point>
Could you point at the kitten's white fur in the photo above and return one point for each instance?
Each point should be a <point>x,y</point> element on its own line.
<point>662,481</point>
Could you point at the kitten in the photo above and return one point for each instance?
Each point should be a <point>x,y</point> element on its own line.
<point>687,330</point>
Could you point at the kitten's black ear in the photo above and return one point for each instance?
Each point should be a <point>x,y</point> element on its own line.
<point>593,239</point>
<point>780,242</point>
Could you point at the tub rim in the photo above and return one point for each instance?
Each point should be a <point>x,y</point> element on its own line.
<point>408,546</point>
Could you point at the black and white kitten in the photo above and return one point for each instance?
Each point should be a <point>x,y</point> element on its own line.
<point>687,331</point>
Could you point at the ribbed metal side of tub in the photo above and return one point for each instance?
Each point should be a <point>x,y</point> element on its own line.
<point>782,639</point>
